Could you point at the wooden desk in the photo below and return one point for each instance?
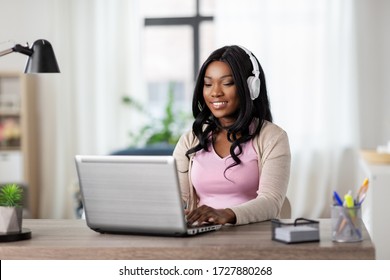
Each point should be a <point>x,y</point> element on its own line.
<point>72,239</point>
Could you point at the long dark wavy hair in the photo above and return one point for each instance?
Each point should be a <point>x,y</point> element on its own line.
<point>249,112</point>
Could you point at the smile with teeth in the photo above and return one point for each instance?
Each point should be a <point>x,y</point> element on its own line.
<point>219,104</point>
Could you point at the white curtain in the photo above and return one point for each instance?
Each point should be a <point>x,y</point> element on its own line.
<point>97,51</point>
<point>307,50</point>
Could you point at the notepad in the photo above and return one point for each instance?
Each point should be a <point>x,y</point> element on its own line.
<point>294,234</point>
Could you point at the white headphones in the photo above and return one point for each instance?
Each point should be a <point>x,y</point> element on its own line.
<point>253,81</point>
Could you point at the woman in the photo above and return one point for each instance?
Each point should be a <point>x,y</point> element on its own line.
<point>234,164</point>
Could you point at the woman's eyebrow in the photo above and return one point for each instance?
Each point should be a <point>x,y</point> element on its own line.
<point>222,77</point>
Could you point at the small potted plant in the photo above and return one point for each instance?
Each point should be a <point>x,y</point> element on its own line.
<point>11,210</point>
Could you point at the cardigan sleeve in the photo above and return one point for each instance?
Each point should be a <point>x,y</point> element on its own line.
<point>183,164</point>
<point>273,149</point>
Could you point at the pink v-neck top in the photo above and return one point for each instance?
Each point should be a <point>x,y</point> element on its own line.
<point>220,187</point>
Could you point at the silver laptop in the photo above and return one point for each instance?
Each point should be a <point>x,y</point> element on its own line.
<point>133,195</point>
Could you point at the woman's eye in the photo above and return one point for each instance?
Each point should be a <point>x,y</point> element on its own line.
<point>228,84</point>
<point>207,85</point>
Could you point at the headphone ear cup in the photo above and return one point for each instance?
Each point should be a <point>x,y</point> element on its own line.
<point>254,86</point>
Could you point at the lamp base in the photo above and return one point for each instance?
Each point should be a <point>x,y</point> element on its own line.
<point>9,237</point>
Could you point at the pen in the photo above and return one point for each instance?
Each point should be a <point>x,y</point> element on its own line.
<point>351,224</point>
<point>347,220</point>
<point>337,198</point>
<point>348,200</point>
<point>349,203</point>
<point>361,195</point>
<point>342,220</point>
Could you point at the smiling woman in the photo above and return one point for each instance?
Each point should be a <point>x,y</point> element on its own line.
<point>234,164</point>
<point>220,94</point>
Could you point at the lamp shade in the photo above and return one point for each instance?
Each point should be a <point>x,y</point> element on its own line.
<point>42,59</point>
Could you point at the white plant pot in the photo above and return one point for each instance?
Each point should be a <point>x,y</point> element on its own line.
<point>11,219</point>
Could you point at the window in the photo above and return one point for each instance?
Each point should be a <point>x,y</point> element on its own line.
<point>178,36</point>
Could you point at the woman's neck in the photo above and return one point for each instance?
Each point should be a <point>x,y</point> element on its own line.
<point>225,123</point>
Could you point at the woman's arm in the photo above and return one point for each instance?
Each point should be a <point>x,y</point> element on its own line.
<point>274,167</point>
<point>182,165</point>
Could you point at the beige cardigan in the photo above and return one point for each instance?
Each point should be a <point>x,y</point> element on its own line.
<point>273,149</point>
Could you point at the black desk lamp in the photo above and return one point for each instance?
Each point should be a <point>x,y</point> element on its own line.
<point>41,57</point>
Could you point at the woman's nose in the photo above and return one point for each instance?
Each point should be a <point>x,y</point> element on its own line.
<point>216,91</point>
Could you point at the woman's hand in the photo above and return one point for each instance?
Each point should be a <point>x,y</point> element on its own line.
<point>206,214</point>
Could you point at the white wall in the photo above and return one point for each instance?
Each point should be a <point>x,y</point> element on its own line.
<point>385,42</point>
<point>373,19</point>
<point>23,21</point>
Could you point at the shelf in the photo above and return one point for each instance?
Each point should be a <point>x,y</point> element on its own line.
<point>18,134</point>
<point>4,113</point>
<point>9,148</point>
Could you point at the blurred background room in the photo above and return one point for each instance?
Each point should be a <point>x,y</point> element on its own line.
<point>123,63</point>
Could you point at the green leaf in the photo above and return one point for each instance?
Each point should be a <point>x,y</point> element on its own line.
<point>11,195</point>
<point>165,130</point>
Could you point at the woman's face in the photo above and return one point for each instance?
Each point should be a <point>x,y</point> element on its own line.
<point>220,92</point>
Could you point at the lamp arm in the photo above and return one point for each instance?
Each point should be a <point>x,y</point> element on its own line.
<point>24,50</point>
<point>6,52</point>
<point>17,48</point>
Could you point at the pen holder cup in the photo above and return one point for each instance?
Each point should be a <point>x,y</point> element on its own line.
<point>346,224</point>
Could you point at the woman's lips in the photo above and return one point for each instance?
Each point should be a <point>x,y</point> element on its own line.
<point>219,104</point>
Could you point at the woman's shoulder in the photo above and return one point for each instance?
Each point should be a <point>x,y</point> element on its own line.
<point>270,134</point>
<point>187,140</point>
<point>188,137</point>
<point>270,128</point>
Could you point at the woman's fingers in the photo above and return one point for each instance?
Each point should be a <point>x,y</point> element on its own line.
<point>206,214</point>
